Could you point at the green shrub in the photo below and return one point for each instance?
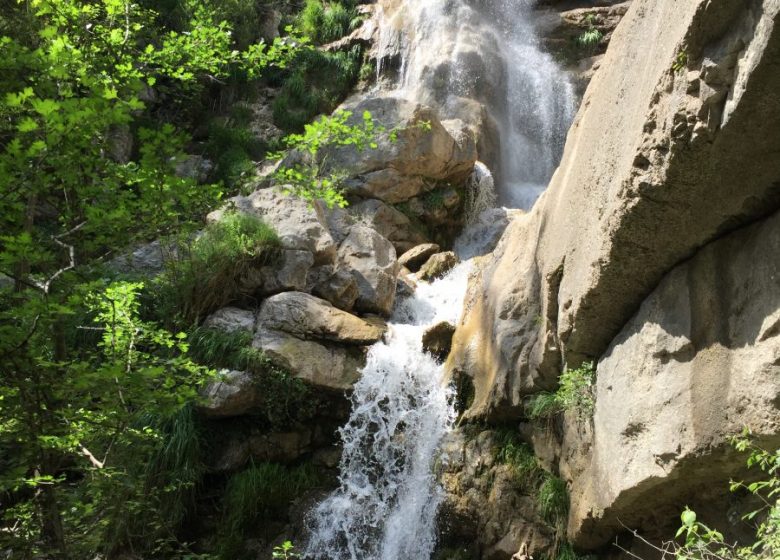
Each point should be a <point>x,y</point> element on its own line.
<point>575,392</point>
<point>328,22</point>
<point>553,500</point>
<point>316,84</point>
<point>263,491</point>
<point>206,274</point>
<point>520,456</point>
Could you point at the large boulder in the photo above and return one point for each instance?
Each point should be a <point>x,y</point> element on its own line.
<point>299,224</point>
<point>422,151</point>
<point>674,146</point>
<point>371,259</point>
<point>417,256</point>
<point>699,361</point>
<point>322,364</point>
<point>336,285</point>
<point>289,273</point>
<point>306,316</point>
<point>233,393</point>
<point>389,222</point>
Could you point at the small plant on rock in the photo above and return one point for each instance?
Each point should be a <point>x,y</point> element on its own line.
<point>575,392</point>
<point>285,551</point>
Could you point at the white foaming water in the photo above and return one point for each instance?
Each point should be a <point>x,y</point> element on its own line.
<point>455,51</point>
<point>385,507</point>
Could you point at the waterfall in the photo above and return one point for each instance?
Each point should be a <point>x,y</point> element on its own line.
<point>455,55</point>
<point>455,52</point>
<point>385,508</point>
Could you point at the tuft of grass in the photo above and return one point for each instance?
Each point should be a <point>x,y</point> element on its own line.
<point>285,399</point>
<point>263,491</point>
<point>553,500</point>
<point>207,274</point>
<point>520,456</point>
<point>543,405</point>
<point>575,392</point>
<point>318,81</point>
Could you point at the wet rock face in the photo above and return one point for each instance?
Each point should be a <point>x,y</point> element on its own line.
<point>487,513</point>
<point>438,339</point>
<point>437,265</point>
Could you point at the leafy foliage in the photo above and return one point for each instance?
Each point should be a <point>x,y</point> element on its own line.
<point>309,177</point>
<point>260,492</point>
<point>207,272</point>
<point>285,551</point>
<point>329,21</point>
<point>705,543</point>
<point>575,392</point>
<point>93,390</point>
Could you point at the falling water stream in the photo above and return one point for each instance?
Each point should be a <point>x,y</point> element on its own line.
<point>385,507</point>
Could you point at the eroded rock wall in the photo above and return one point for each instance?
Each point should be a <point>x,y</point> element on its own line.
<point>655,166</point>
<point>654,252</point>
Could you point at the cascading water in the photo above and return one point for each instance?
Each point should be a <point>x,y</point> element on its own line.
<point>454,52</point>
<point>386,506</point>
<point>455,55</point>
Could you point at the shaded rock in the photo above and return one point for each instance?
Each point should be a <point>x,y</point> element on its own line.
<point>437,266</point>
<point>306,316</point>
<point>389,222</point>
<point>437,340</point>
<point>324,365</point>
<point>231,319</point>
<point>414,258</point>
<point>484,503</point>
<point>194,167</point>
<point>371,260</point>
<point>233,393</point>
<point>299,225</point>
<point>148,259</point>
<point>704,355</point>
<point>289,273</point>
<point>231,456</point>
<point>338,286</point>
<point>280,447</point>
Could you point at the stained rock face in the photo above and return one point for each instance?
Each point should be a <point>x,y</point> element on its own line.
<point>699,361</point>
<point>371,259</point>
<point>231,319</point>
<point>673,146</point>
